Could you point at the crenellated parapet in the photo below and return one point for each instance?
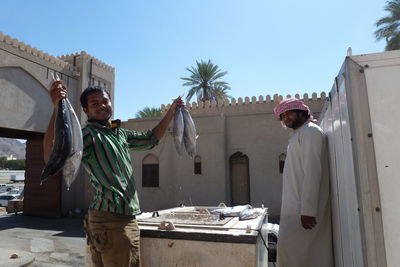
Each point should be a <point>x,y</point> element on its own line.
<point>83,54</point>
<point>62,61</point>
<point>35,52</point>
<point>252,104</point>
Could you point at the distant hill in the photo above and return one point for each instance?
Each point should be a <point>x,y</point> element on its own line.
<point>12,147</point>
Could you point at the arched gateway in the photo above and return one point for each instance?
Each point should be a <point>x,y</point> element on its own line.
<point>25,110</point>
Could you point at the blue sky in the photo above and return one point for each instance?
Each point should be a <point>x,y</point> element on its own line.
<point>267,47</point>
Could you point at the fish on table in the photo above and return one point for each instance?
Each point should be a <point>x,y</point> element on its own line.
<point>244,212</point>
<point>231,211</point>
<point>248,214</point>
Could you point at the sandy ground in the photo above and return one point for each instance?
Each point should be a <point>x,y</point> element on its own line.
<point>51,242</point>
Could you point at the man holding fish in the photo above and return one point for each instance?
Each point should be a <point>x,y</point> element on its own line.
<point>112,231</point>
<point>305,237</point>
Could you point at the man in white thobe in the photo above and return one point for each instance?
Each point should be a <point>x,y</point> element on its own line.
<point>305,236</point>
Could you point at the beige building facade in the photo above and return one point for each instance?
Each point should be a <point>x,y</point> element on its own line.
<point>25,110</point>
<point>241,146</point>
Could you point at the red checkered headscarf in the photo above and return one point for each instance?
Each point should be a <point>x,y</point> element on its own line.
<point>292,104</point>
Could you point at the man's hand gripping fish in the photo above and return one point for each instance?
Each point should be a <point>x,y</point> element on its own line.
<point>67,149</point>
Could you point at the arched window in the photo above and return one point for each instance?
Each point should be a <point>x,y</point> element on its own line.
<point>282,158</point>
<point>197,165</point>
<point>150,173</point>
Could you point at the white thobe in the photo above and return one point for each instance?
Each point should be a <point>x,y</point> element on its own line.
<point>305,192</point>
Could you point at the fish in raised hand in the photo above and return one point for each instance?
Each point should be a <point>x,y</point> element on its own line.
<point>189,133</point>
<point>62,142</point>
<point>178,130</point>
<point>67,149</point>
<point>72,164</point>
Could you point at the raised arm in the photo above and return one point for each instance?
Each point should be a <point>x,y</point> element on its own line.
<point>161,127</point>
<point>56,94</point>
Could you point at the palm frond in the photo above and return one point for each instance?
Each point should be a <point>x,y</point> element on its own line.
<point>389,26</point>
<point>219,75</point>
<point>393,6</point>
<point>205,82</point>
<point>192,91</point>
<point>149,112</point>
<point>385,20</point>
<point>393,43</point>
<point>387,31</point>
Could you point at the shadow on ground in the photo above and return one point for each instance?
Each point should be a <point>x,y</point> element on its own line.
<point>67,226</point>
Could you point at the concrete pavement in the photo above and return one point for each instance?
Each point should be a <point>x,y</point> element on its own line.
<point>41,242</point>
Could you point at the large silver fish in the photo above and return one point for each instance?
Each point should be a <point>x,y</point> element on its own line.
<point>73,163</point>
<point>62,142</point>
<point>189,133</point>
<point>67,148</point>
<point>248,214</point>
<point>231,211</point>
<point>178,129</point>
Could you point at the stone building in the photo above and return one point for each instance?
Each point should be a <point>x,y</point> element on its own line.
<point>241,149</point>
<point>25,110</point>
<point>11,157</point>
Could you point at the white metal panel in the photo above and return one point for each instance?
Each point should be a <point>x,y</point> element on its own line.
<point>383,86</point>
<point>340,179</point>
<point>175,252</point>
<point>345,211</point>
<point>364,165</point>
<point>326,125</point>
<point>349,180</point>
<point>262,244</point>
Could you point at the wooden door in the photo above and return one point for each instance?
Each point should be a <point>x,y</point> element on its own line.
<point>240,180</point>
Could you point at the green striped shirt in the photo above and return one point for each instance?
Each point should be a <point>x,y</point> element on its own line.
<point>106,158</point>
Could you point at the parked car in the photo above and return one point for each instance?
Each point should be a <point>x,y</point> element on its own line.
<point>16,193</point>
<point>6,188</point>
<point>5,198</point>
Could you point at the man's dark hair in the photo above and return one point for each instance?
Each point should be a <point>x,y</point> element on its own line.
<point>303,113</point>
<point>92,90</point>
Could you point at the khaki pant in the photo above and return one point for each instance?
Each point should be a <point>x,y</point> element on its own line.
<point>113,239</point>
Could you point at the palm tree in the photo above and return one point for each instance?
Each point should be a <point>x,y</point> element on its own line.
<point>205,82</point>
<point>390,26</point>
<point>149,112</point>
<point>221,93</point>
